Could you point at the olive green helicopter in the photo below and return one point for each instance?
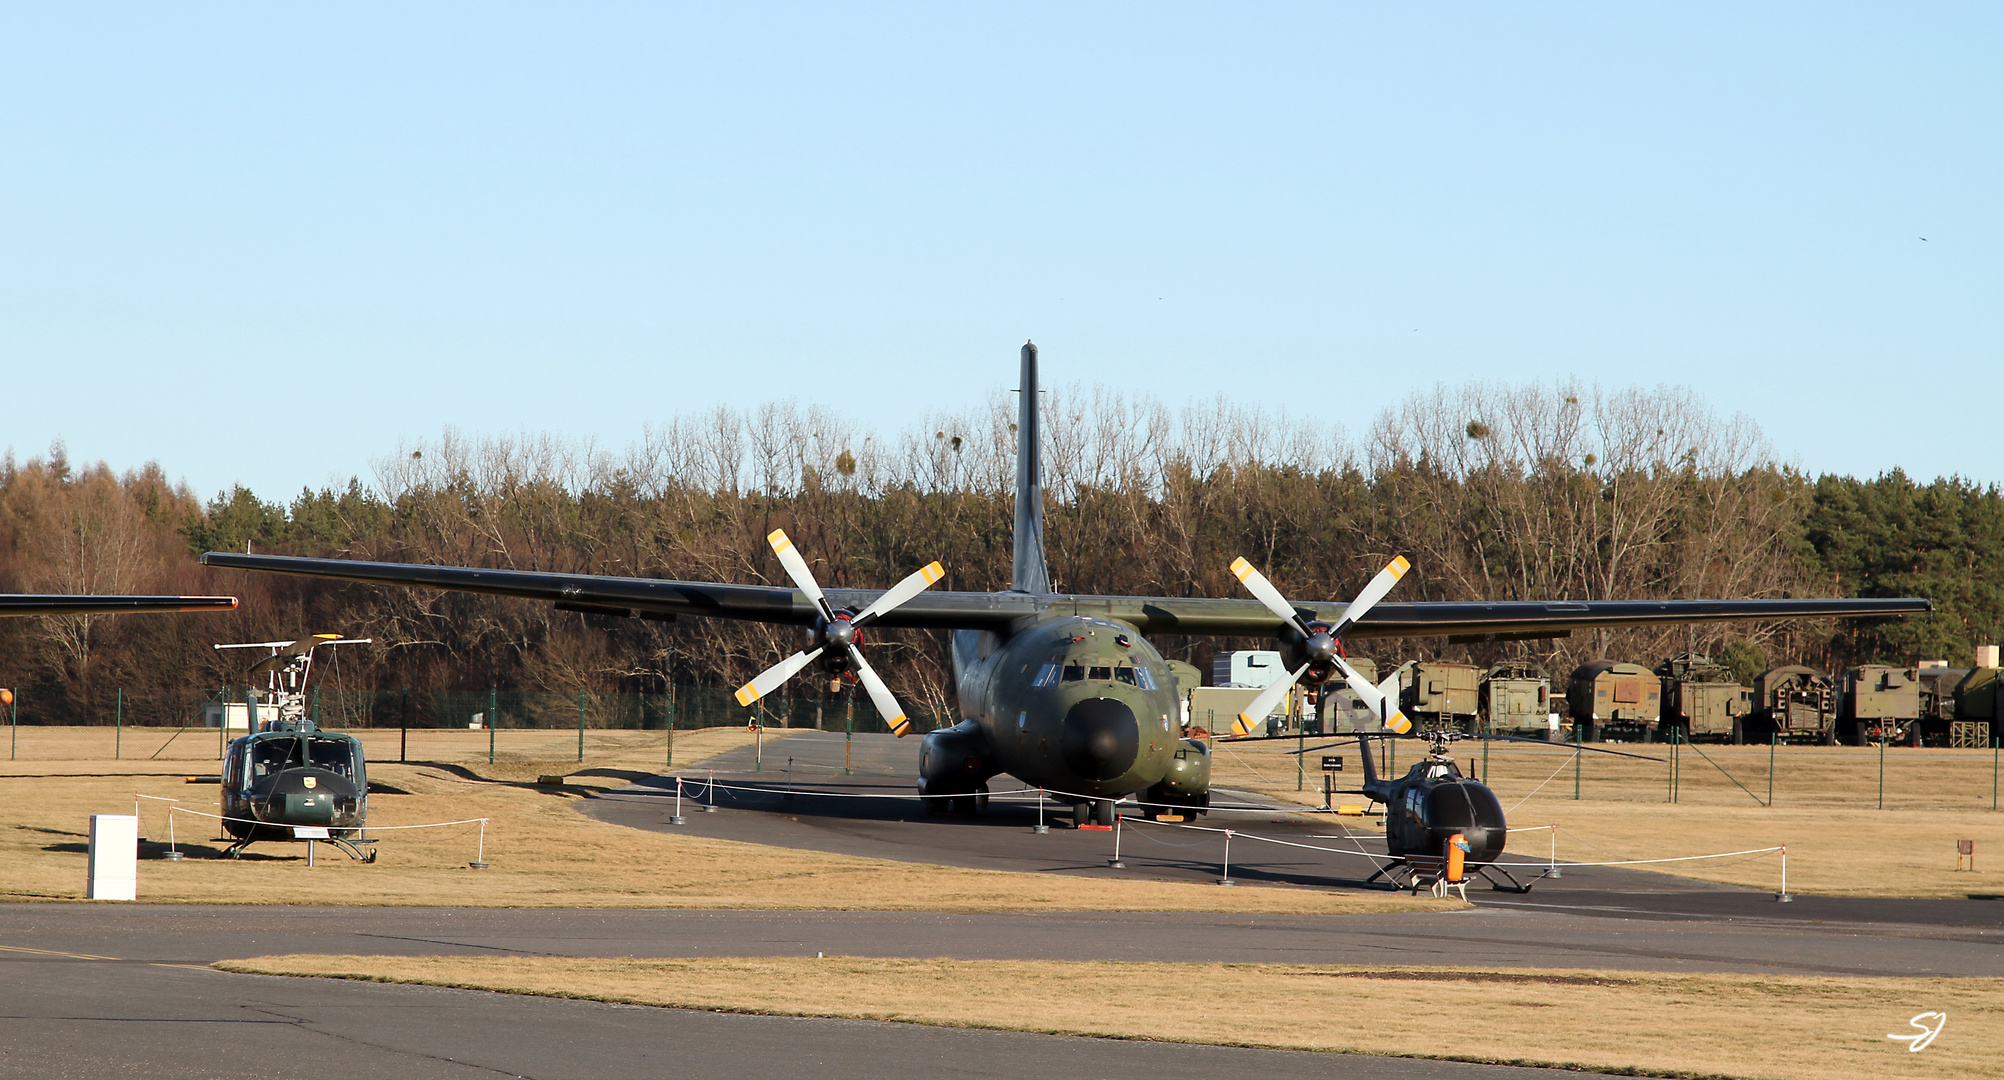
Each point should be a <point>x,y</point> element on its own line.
<point>287,780</point>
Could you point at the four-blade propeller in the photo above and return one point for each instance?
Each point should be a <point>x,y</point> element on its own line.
<point>836,634</point>
<point>1322,646</point>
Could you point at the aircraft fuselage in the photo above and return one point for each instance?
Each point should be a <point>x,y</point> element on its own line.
<point>1070,703</point>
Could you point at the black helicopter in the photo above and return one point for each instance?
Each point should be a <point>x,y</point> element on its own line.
<point>1433,813</point>
<point>288,780</point>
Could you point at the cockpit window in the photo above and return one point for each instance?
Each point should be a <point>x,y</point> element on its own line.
<point>1124,674</point>
<point>269,756</point>
<point>1073,673</point>
<point>335,755</point>
<point>1046,676</point>
<point>1143,677</point>
<point>1100,674</point>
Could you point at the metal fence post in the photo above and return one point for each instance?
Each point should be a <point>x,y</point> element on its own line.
<point>671,723</point>
<point>14,747</point>
<point>1577,754</point>
<point>1882,766</point>
<point>581,695</point>
<point>848,730</point>
<point>493,714</point>
<point>118,727</point>
<point>1772,739</point>
<point>404,742</point>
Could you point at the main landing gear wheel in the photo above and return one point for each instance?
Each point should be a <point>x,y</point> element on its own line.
<point>1081,814</point>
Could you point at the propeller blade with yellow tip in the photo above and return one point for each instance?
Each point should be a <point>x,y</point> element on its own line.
<point>1263,590</point>
<point>1372,593</point>
<point>1375,698</point>
<point>880,695</point>
<point>1263,705</point>
<point>796,568</point>
<point>904,590</point>
<point>769,679</point>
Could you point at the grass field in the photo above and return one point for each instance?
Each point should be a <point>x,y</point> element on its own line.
<point>540,850</point>
<point>1786,1028</point>
<point>1825,809</point>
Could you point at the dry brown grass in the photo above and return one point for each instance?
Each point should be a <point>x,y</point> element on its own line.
<point>1824,811</point>
<point>1753,1026</point>
<point>543,853</point>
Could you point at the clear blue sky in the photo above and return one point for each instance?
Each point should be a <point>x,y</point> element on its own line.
<point>261,244</point>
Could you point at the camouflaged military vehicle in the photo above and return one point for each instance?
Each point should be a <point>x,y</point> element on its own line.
<point>1702,700</point>
<point>1610,698</point>
<point>1434,694</point>
<point>1793,703</point>
<point>1515,698</point>
<point>1878,703</point>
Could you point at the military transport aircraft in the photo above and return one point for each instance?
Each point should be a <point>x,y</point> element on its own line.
<point>1063,692</point>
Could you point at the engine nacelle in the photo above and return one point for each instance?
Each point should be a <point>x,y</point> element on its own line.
<point>955,760</point>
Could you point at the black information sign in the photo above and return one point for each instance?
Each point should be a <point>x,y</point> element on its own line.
<point>1332,764</point>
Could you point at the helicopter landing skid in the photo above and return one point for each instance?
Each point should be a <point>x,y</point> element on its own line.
<point>349,847</point>
<point>1489,873</point>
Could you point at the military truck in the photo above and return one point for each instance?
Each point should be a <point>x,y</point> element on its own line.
<point>1515,698</point>
<point>1702,700</point>
<point>1878,703</point>
<point>1611,698</point>
<point>1434,694</point>
<point>1793,703</point>
<point>1979,707</point>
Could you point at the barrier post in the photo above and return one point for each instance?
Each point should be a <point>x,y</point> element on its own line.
<point>1554,871</point>
<point>710,790</point>
<point>1225,878</point>
<point>480,859</point>
<point>1040,828</point>
<point>1783,897</point>
<point>678,819</point>
<point>1115,861</point>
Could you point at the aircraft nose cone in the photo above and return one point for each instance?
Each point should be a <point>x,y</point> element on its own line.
<point>1100,738</point>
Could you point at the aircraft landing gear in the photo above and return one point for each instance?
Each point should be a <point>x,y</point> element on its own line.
<point>1092,813</point>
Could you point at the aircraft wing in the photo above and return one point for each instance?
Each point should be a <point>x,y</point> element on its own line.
<point>1470,620</point>
<point>1479,620</point>
<point>655,597</point>
<point>69,604</point>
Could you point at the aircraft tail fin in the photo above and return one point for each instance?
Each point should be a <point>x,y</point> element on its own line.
<point>1029,573</point>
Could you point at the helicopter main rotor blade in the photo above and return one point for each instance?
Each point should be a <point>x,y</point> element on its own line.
<point>880,695</point>
<point>1263,591</point>
<point>1262,706</point>
<point>796,568</point>
<point>1372,593</point>
<point>768,680</point>
<point>1571,746</point>
<point>1379,703</point>
<point>904,590</point>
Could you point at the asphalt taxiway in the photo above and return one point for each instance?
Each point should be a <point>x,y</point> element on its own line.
<point>106,990</point>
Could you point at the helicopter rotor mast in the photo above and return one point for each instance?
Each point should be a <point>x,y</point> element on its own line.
<point>285,673</point>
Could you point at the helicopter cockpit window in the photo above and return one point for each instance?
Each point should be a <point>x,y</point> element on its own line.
<point>268,756</point>
<point>1074,672</point>
<point>335,755</point>
<point>1124,674</point>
